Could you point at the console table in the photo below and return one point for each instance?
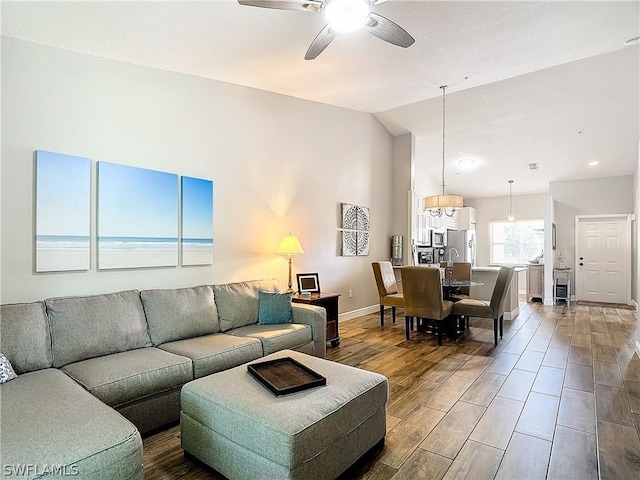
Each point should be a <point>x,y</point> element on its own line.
<point>329,301</point>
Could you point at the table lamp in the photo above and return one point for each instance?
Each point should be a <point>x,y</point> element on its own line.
<point>290,245</point>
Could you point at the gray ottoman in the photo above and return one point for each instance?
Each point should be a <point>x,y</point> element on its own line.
<point>234,424</point>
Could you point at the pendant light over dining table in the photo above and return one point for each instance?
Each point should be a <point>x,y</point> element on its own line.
<point>437,205</point>
<point>510,217</point>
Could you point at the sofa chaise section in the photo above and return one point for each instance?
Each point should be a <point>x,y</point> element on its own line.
<point>49,423</point>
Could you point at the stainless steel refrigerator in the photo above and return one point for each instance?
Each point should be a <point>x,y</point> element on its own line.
<point>464,241</point>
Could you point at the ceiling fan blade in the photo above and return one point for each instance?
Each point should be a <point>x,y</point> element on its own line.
<point>387,30</point>
<point>322,41</point>
<point>306,5</point>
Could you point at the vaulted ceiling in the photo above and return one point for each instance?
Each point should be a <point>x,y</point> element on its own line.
<point>543,81</point>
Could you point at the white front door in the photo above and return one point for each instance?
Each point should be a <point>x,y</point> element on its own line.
<point>603,258</point>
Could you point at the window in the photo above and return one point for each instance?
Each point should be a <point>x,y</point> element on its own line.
<point>516,243</point>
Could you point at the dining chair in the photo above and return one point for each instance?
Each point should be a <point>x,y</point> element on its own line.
<point>423,300</point>
<point>387,289</point>
<point>461,271</point>
<point>494,308</point>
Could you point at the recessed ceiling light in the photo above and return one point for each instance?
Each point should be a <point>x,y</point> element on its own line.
<point>593,163</point>
<point>467,164</point>
<point>632,41</point>
<point>532,166</point>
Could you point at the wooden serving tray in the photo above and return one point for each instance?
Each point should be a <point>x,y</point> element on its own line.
<point>285,375</point>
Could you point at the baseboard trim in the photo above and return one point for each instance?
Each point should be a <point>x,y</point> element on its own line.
<point>343,317</point>
<point>634,304</point>
<point>548,301</point>
<point>512,314</point>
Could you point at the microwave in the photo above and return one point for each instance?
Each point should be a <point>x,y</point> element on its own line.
<point>438,238</point>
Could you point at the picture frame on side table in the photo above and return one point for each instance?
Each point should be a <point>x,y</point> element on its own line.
<point>308,283</point>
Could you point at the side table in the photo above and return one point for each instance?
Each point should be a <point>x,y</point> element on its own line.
<point>329,301</point>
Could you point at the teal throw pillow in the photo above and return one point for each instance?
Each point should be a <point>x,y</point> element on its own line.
<point>274,308</point>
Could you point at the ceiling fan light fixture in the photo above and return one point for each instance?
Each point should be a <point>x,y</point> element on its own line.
<point>632,41</point>
<point>347,15</point>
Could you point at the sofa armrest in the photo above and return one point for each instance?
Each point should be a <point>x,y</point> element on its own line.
<point>316,317</point>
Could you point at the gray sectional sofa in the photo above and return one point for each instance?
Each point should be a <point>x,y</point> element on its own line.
<point>95,372</point>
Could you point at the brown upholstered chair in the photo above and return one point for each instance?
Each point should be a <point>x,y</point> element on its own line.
<point>387,289</point>
<point>488,309</point>
<point>423,300</point>
<point>461,271</point>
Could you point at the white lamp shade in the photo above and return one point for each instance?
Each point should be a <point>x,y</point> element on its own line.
<point>290,245</point>
<point>443,201</point>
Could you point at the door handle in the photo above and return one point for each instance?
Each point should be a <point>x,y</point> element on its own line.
<point>581,264</point>
<point>581,258</point>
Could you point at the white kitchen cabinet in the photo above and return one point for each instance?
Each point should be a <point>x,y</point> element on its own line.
<point>445,222</point>
<point>467,218</point>
<point>535,282</point>
<point>423,230</point>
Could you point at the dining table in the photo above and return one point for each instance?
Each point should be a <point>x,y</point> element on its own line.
<point>451,287</point>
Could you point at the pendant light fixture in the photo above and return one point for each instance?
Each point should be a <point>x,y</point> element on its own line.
<point>510,218</point>
<point>437,205</point>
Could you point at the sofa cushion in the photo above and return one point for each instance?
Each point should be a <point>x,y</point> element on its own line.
<point>6,370</point>
<point>180,313</point>
<point>92,326</point>
<point>48,421</point>
<point>238,302</point>
<point>127,376</point>
<point>213,353</point>
<point>274,308</point>
<point>277,337</point>
<point>24,336</point>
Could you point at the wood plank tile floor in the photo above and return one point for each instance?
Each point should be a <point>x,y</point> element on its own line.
<point>559,397</point>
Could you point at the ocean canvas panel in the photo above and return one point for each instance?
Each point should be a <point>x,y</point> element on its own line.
<point>137,217</point>
<point>197,221</point>
<point>63,218</point>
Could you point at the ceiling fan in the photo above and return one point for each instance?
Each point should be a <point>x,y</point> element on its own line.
<point>342,16</point>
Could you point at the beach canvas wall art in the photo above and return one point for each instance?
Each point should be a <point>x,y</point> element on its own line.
<point>137,217</point>
<point>197,221</point>
<point>63,205</point>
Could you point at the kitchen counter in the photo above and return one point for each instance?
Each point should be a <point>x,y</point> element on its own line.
<point>488,276</point>
<point>485,269</point>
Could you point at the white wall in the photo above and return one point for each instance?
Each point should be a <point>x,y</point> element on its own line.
<point>587,197</point>
<point>279,165</point>
<point>402,177</point>
<point>636,277</point>
<point>525,207</point>
<point>427,162</point>
<point>597,195</point>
